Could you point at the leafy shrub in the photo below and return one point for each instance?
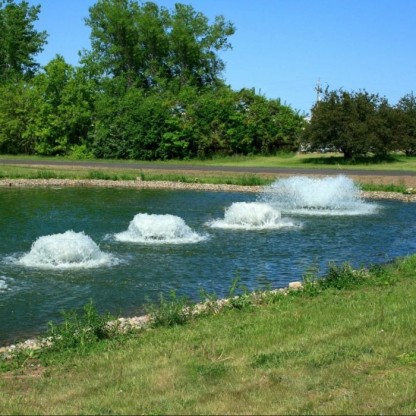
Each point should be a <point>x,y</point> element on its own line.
<point>81,152</point>
<point>342,277</point>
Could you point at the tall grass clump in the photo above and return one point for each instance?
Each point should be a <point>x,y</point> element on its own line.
<point>45,174</point>
<point>171,311</point>
<point>79,329</point>
<point>239,296</point>
<point>251,181</point>
<point>373,187</point>
<point>345,277</point>
<point>100,175</point>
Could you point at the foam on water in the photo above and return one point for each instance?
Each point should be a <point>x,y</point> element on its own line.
<point>4,283</point>
<point>317,196</point>
<point>158,229</point>
<point>66,251</point>
<point>251,216</point>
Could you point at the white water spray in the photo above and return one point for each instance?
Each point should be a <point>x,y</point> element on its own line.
<point>323,196</point>
<point>158,229</point>
<point>251,216</point>
<point>66,251</point>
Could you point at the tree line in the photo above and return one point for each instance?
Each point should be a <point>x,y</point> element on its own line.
<point>151,87</point>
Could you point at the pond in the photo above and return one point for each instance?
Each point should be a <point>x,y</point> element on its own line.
<point>59,248</point>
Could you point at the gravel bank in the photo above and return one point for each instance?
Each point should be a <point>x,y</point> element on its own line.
<point>123,325</point>
<point>138,184</point>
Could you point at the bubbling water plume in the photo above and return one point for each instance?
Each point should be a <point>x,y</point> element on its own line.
<point>317,196</point>
<point>69,250</point>
<point>158,229</point>
<point>251,216</point>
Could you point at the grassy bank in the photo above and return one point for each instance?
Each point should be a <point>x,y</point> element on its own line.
<point>30,172</point>
<point>397,162</point>
<point>343,345</point>
<point>209,177</point>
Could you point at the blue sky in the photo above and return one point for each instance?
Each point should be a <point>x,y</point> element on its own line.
<point>282,47</point>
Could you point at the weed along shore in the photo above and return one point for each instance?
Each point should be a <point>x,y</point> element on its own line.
<point>156,317</point>
<point>408,196</point>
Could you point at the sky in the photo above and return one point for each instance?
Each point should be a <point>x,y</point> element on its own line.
<point>283,48</point>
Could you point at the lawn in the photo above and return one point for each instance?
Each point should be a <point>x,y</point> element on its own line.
<point>396,162</point>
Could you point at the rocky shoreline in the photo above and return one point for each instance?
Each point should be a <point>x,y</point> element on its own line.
<point>139,184</point>
<point>122,325</point>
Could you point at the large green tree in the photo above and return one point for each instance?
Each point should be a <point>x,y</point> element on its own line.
<point>20,42</point>
<point>350,122</point>
<point>62,108</point>
<point>405,123</point>
<point>150,46</point>
<point>16,112</point>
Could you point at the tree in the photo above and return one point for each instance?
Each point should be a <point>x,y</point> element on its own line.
<point>62,108</point>
<point>405,112</point>
<point>19,40</point>
<point>349,123</point>
<point>130,126</point>
<point>149,46</point>
<point>193,46</point>
<point>16,112</point>
<point>384,125</point>
<point>271,126</point>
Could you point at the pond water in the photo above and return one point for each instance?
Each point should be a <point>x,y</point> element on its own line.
<point>59,248</point>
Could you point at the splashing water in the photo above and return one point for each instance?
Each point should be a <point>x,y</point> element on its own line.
<point>66,251</point>
<point>152,228</point>
<point>251,216</point>
<point>323,196</point>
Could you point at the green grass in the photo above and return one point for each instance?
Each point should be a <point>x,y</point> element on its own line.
<point>346,346</point>
<point>394,162</point>
<point>62,172</point>
<point>319,161</point>
<point>373,187</point>
<point>28,172</point>
<point>290,160</point>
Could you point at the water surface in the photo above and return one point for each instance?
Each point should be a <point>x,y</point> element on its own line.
<point>259,255</point>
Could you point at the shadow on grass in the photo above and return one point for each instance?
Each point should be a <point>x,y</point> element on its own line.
<point>357,160</point>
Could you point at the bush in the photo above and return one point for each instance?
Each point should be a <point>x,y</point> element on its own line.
<point>342,277</point>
